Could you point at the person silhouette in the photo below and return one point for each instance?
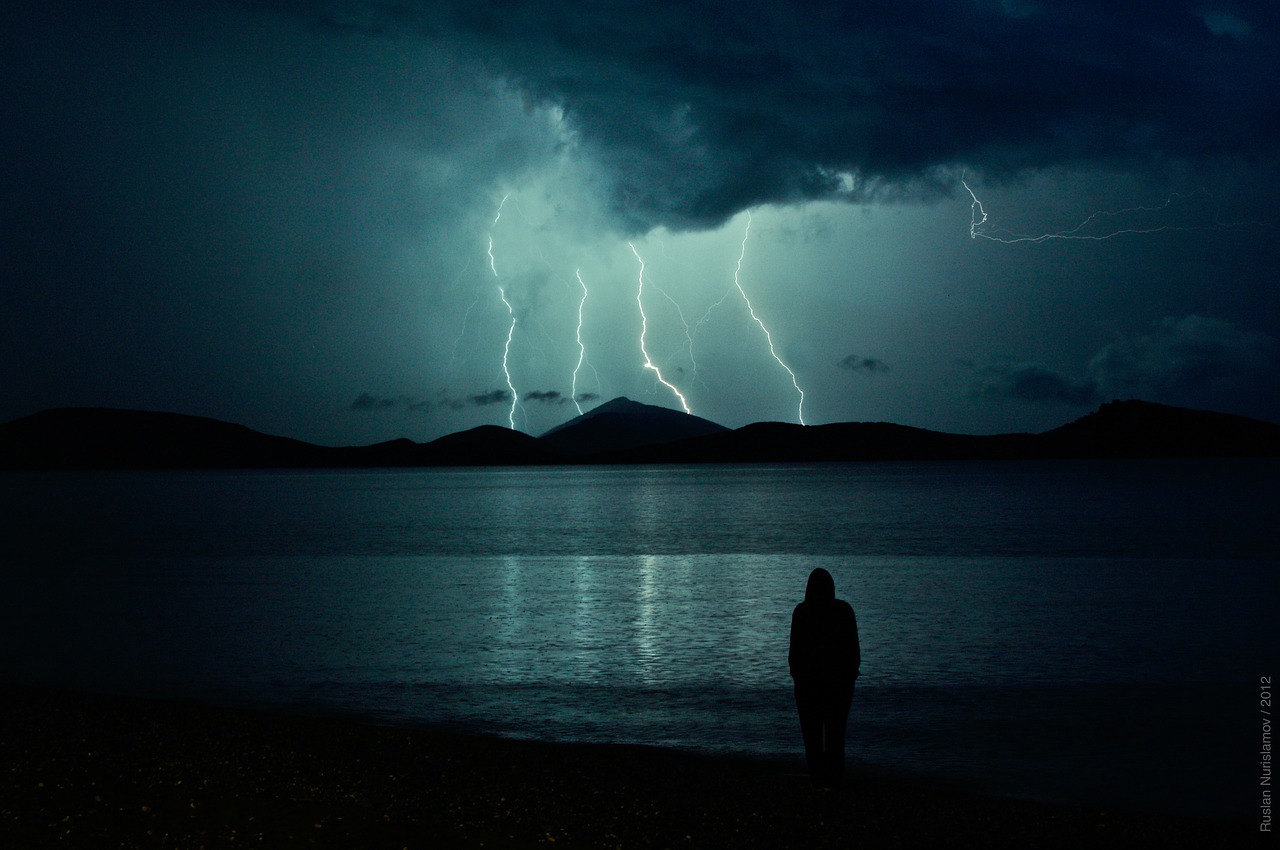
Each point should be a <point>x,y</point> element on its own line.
<point>824,658</point>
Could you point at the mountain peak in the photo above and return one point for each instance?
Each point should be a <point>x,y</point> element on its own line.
<point>622,424</point>
<point>620,404</point>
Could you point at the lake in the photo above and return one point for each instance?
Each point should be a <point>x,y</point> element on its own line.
<point>1084,631</point>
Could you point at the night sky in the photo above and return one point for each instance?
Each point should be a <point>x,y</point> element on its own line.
<point>331,220</point>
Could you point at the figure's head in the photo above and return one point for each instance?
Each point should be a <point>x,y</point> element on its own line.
<point>821,586</point>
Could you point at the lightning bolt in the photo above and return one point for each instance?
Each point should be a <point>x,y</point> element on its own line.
<point>1098,226</point>
<point>582,349</point>
<point>977,214</point>
<point>506,355</point>
<point>644,327</point>
<point>493,265</point>
<point>688,334</point>
<point>511,330</point>
<point>737,272</point>
<point>453,354</point>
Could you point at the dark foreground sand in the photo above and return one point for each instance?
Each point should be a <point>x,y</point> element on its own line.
<point>104,772</point>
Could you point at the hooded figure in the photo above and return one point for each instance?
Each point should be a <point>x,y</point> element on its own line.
<point>824,659</point>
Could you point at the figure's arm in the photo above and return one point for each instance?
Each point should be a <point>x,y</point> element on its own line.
<point>855,649</point>
<point>791,647</point>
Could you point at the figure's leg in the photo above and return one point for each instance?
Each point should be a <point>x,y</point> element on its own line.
<point>809,707</point>
<point>835,720</point>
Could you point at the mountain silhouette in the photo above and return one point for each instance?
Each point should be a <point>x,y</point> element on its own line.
<point>620,431</point>
<point>623,425</point>
<point>108,438</point>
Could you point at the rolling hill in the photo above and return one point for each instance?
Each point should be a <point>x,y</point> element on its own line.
<point>619,431</point>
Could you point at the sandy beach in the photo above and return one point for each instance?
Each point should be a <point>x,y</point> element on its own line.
<point>103,771</point>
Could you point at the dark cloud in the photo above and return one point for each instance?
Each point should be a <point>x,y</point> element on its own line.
<point>549,397</point>
<point>582,397</point>
<point>1197,361</point>
<point>1189,358</point>
<point>696,111</point>
<point>870,365</point>
<point>1033,382</point>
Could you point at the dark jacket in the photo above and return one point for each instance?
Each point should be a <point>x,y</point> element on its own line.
<point>824,637</point>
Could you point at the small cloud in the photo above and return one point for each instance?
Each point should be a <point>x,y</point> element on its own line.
<point>491,397</point>
<point>581,397</point>
<point>366,401</point>
<point>1221,22</point>
<point>369,401</point>
<point>870,365</point>
<point>547,396</point>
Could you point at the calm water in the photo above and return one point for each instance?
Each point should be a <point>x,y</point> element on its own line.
<point>1082,631</point>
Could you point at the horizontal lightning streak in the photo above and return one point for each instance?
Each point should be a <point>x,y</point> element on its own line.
<point>978,217</point>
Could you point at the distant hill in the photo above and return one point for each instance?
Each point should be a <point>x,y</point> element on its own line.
<point>106,438</point>
<point>1135,429</point>
<point>488,445</point>
<point>620,431</point>
<point>1144,429</point>
<point>778,442</point>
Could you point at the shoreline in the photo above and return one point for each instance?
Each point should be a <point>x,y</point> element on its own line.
<point>90,770</point>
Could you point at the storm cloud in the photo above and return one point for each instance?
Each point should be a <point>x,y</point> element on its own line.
<point>697,111</point>
<point>1187,358</point>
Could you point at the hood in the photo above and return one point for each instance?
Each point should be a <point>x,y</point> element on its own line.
<point>821,586</point>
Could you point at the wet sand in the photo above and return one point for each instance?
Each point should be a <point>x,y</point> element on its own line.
<point>98,771</point>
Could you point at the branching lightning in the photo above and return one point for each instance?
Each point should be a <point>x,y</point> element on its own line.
<point>644,327</point>
<point>688,334</point>
<point>453,354</point>
<point>492,263</point>
<point>1180,212</point>
<point>977,213</point>
<point>505,284</point>
<point>1098,226</point>
<point>737,272</point>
